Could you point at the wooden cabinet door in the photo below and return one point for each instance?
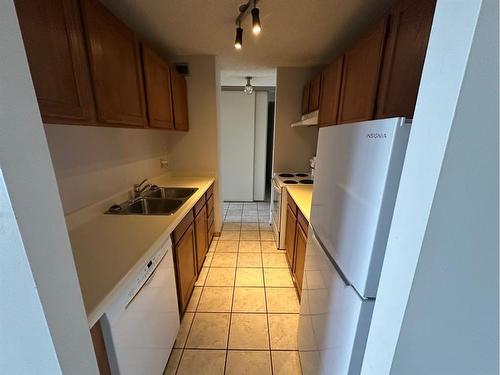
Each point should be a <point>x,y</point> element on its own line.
<point>305,98</point>
<point>100,349</point>
<point>115,66</point>
<point>55,47</point>
<point>291,223</point>
<point>158,90</point>
<point>314,93</point>
<point>185,258</point>
<point>360,76</point>
<point>300,256</point>
<point>404,56</point>
<point>179,98</point>
<point>330,93</point>
<point>201,234</point>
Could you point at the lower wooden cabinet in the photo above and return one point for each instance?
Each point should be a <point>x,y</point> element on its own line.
<point>100,349</point>
<point>291,223</point>
<point>296,242</point>
<point>186,270</point>
<point>201,234</point>
<point>300,256</point>
<point>191,239</point>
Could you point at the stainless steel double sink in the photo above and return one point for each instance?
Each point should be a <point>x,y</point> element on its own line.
<point>155,201</point>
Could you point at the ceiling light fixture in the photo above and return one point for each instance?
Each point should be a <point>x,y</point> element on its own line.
<point>238,42</point>
<point>256,28</point>
<point>256,25</point>
<point>248,89</point>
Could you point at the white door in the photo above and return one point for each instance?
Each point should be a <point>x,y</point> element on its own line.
<point>334,319</point>
<point>237,134</point>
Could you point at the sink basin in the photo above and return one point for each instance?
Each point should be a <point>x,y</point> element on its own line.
<point>154,206</point>
<point>159,201</point>
<point>171,192</point>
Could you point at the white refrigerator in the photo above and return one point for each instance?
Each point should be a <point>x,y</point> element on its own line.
<point>358,167</point>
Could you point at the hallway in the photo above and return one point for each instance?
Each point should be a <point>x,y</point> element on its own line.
<point>243,314</point>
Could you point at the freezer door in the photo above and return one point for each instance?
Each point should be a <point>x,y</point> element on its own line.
<point>334,320</point>
<point>357,177</point>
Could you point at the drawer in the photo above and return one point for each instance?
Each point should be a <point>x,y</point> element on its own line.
<point>210,205</point>
<point>291,203</point>
<point>199,205</point>
<point>210,220</point>
<point>304,224</point>
<point>182,227</point>
<point>210,191</point>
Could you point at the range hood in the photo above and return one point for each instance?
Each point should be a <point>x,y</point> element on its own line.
<point>309,119</point>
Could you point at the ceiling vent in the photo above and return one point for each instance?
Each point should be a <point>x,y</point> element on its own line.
<point>182,68</point>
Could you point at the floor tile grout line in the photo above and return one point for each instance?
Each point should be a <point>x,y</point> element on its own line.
<point>231,313</point>
<point>267,312</point>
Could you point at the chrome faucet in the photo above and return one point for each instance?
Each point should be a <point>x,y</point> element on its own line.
<point>140,188</point>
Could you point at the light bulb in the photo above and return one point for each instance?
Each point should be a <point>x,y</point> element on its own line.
<point>256,27</point>
<point>238,42</point>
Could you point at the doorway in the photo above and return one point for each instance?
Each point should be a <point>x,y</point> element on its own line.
<point>247,125</point>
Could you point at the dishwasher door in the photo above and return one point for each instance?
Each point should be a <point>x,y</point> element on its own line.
<point>141,326</point>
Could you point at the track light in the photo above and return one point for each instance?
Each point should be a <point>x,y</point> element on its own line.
<point>256,26</point>
<point>256,20</point>
<point>238,42</point>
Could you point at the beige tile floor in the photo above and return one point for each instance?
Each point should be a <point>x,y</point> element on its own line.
<point>243,315</point>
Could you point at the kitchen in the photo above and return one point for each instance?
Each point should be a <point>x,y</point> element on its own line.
<point>129,272</point>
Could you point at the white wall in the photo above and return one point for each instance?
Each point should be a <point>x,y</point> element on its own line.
<point>451,320</point>
<point>293,147</point>
<point>93,163</point>
<point>237,137</point>
<point>196,153</point>
<point>446,213</point>
<point>36,263</point>
<point>260,145</point>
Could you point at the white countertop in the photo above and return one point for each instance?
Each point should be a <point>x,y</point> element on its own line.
<point>109,248</point>
<point>302,196</point>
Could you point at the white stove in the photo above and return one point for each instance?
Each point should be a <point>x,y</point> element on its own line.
<point>286,178</point>
<point>279,201</point>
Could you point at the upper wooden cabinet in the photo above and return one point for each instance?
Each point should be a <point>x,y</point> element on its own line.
<point>314,93</point>
<point>55,47</point>
<point>158,90</point>
<point>305,98</point>
<point>179,100</point>
<point>330,93</point>
<point>360,76</point>
<point>410,27</point>
<point>116,69</point>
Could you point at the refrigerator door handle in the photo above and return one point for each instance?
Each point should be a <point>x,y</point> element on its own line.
<point>341,274</point>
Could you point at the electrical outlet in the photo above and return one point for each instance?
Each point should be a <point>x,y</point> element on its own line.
<point>163,163</point>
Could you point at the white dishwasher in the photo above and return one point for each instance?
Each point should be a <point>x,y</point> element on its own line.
<point>140,326</point>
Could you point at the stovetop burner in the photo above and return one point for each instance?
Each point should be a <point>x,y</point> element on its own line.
<point>290,182</point>
<point>307,182</point>
<point>285,175</point>
<point>301,175</point>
